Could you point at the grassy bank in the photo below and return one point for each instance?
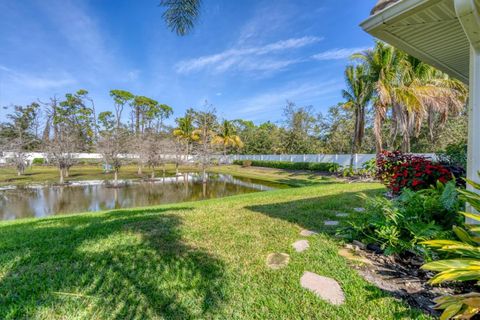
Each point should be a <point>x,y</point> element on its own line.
<point>198,260</point>
<point>49,174</point>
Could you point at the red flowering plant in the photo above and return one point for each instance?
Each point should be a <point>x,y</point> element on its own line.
<point>399,171</point>
<point>387,161</point>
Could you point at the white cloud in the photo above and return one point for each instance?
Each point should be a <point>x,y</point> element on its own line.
<point>338,54</point>
<point>48,81</point>
<point>247,59</point>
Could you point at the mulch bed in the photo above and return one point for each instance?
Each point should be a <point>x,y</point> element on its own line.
<point>402,277</point>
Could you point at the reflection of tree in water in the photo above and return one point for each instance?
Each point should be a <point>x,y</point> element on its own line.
<point>41,202</point>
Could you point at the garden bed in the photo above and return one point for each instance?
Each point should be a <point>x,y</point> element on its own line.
<point>401,276</point>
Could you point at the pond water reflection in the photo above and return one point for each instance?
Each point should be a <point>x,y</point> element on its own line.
<point>41,201</point>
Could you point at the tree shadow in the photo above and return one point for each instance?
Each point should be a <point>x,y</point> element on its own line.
<point>311,213</point>
<point>123,264</point>
<point>420,302</point>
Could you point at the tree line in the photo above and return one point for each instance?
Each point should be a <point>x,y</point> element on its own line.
<point>63,127</point>
<point>391,101</point>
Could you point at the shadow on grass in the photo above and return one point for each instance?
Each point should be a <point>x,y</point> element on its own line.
<point>119,265</point>
<point>312,213</point>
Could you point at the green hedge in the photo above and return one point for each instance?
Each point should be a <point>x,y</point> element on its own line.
<point>38,161</point>
<point>312,166</point>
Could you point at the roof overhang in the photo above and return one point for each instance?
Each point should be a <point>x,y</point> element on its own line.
<point>427,29</point>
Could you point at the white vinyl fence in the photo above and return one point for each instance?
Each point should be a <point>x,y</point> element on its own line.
<point>341,159</point>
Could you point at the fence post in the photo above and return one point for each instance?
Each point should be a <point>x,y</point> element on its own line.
<point>304,157</point>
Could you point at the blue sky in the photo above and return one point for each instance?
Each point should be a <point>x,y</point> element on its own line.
<point>245,57</point>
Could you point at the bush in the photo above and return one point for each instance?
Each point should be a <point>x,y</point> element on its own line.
<point>310,166</point>
<point>369,168</point>
<point>400,225</point>
<point>38,161</point>
<point>462,263</point>
<point>454,155</point>
<point>418,173</point>
<point>246,163</point>
<point>387,161</point>
<point>454,158</point>
<point>399,171</point>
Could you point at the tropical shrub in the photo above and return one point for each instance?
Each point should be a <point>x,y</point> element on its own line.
<point>454,154</point>
<point>400,225</point>
<point>416,174</point>
<point>398,171</point>
<point>369,168</point>
<point>310,166</point>
<point>463,263</point>
<point>454,158</point>
<point>387,161</point>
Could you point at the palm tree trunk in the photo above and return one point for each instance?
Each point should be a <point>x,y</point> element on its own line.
<point>377,128</point>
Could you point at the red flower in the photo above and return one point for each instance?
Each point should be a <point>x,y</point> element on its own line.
<point>416,182</point>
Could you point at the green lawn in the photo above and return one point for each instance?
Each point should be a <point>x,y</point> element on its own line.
<point>197,260</point>
<point>49,174</point>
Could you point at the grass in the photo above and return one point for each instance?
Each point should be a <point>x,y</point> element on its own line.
<point>49,174</point>
<point>197,260</point>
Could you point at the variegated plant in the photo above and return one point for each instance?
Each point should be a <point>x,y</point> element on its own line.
<point>465,267</point>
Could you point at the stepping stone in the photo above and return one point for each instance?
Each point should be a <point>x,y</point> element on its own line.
<point>331,223</point>
<point>359,209</point>
<point>277,260</point>
<point>351,256</point>
<point>307,233</point>
<point>342,214</point>
<point>323,287</point>
<point>301,245</point>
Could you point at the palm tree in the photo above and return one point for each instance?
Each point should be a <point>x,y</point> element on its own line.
<point>358,94</point>
<point>181,15</point>
<point>423,92</point>
<point>227,137</point>
<point>185,131</point>
<point>381,64</point>
<point>409,90</point>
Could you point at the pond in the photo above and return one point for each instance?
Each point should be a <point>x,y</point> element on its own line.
<point>41,201</point>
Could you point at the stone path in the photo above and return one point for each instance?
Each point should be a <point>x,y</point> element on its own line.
<point>359,209</point>
<point>323,287</point>
<point>277,260</point>
<point>300,245</point>
<point>351,256</point>
<point>307,233</point>
<point>331,223</point>
<point>342,214</point>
